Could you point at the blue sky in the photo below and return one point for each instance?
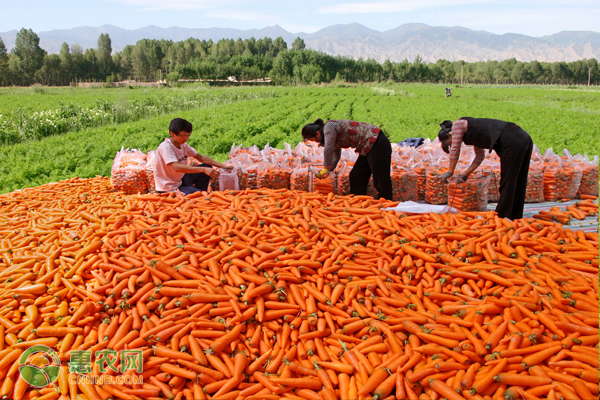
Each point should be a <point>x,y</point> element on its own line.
<point>530,17</point>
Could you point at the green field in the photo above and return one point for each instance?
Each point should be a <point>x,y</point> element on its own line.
<point>557,117</point>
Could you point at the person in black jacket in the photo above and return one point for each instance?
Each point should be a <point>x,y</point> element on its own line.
<point>512,144</point>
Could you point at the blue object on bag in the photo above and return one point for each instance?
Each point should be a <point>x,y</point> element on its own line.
<point>412,142</point>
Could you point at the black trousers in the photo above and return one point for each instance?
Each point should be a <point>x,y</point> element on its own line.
<point>377,162</point>
<point>514,147</point>
<point>194,182</point>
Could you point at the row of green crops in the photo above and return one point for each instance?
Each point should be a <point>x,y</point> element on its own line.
<point>553,117</point>
<point>21,124</point>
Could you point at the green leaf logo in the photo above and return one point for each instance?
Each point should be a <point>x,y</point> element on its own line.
<point>35,375</point>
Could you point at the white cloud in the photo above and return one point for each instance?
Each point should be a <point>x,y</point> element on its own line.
<point>243,15</point>
<point>370,7</point>
<point>174,5</point>
<point>393,6</point>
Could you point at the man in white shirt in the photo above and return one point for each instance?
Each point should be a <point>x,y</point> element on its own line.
<point>171,170</point>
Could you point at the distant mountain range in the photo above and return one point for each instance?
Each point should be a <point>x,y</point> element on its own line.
<point>407,41</point>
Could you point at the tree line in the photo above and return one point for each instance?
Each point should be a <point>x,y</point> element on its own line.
<point>151,60</point>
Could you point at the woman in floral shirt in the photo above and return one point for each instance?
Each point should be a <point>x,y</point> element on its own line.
<point>373,147</point>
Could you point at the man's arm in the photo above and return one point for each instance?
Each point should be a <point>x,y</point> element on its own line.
<point>209,161</point>
<point>189,169</point>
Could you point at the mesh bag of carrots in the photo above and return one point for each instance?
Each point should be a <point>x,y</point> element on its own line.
<point>129,173</point>
<point>300,179</point>
<point>242,174</point>
<point>252,171</point>
<point>410,159</point>
<point>492,168</point>
<point>421,171</point>
<point>343,178</point>
<point>535,182</point>
<point>405,185</point>
<point>562,178</point>
<point>471,195</point>
<point>436,191</point>
<point>150,160</point>
<point>239,151</point>
<point>324,185</point>
<point>247,170</point>
<point>589,176</point>
<point>273,176</point>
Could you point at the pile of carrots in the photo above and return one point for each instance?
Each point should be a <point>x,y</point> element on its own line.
<point>277,294</point>
<point>580,210</point>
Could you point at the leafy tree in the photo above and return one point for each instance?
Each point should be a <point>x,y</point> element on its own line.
<point>595,74</point>
<point>388,70</point>
<point>518,73</point>
<point>298,44</point>
<point>123,62</point>
<point>500,75</point>
<point>30,54</point>
<point>66,63</point>
<point>3,63</point>
<point>90,65</point>
<point>78,61</point>
<point>103,54</point>
<point>50,73</point>
<point>146,59</point>
<point>535,71</point>
<point>283,68</point>
<point>173,78</point>
<point>14,69</point>
<point>277,46</point>
<point>263,45</point>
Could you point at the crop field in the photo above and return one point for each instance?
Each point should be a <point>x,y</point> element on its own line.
<point>50,134</point>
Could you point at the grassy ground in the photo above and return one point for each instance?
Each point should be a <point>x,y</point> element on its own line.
<point>556,117</point>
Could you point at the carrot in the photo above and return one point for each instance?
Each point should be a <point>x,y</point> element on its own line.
<point>385,388</point>
<point>162,351</point>
<point>522,380</point>
<point>305,383</point>
<point>177,371</point>
<point>482,384</point>
<point>218,345</point>
<point>582,390</point>
<point>444,390</point>
<point>378,376</point>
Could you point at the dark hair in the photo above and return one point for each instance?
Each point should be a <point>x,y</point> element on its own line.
<point>309,131</point>
<point>444,135</point>
<point>180,125</point>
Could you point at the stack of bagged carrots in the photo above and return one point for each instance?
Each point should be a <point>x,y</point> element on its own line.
<point>277,294</point>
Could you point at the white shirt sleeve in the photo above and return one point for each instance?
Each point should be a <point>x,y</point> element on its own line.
<point>189,150</point>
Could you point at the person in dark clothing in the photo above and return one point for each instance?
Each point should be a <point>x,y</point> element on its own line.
<point>512,144</point>
<point>373,147</point>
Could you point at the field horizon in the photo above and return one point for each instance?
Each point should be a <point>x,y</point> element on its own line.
<point>558,117</point>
